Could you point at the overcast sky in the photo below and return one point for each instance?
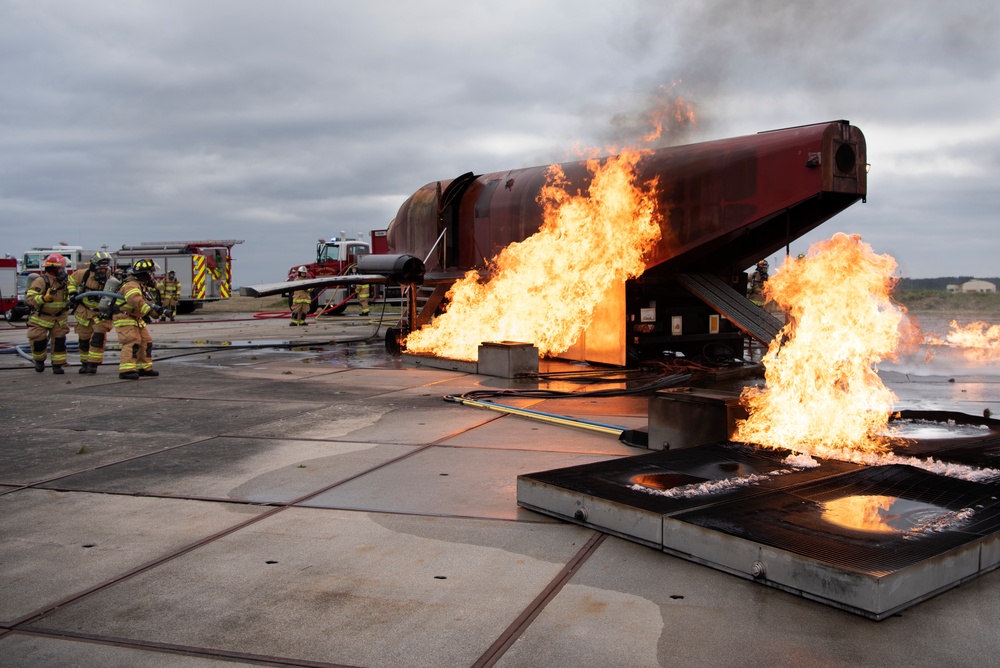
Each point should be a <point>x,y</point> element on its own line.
<point>281,122</point>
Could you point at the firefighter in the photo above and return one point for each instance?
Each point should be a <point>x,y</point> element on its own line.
<point>48,298</point>
<point>134,309</point>
<point>91,328</point>
<point>301,299</point>
<point>756,289</point>
<point>363,294</point>
<point>170,292</point>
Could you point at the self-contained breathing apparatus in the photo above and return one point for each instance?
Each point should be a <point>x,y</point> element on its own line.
<point>108,305</point>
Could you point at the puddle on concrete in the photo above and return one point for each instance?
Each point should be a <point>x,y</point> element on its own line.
<point>356,355</point>
<point>353,354</point>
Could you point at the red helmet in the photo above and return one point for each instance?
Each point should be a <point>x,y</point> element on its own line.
<point>54,260</point>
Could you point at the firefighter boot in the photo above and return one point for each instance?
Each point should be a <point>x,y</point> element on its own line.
<point>148,372</point>
<point>38,353</point>
<point>129,375</point>
<point>84,367</point>
<point>57,369</point>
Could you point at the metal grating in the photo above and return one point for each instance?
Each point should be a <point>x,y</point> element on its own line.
<point>739,310</point>
<point>613,480</point>
<point>929,532</point>
<point>794,522</point>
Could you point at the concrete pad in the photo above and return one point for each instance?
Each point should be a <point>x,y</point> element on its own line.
<point>461,482</point>
<point>629,605</point>
<point>315,388</point>
<point>362,589</point>
<point>256,470</point>
<point>58,543</point>
<point>143,416</point>
<point>73,410</point>
<point>382,421</point>
<point>35,455</point>
<point>22,649</point>
<point>395,379</point>
<point>618,406</point>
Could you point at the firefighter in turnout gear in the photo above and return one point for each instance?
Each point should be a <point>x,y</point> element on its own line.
<point>363,291</point>
<point>301,299</point>
<point>756,290</point>
<point>48,298</point>
<point>91,328</point>
<point>135,308</point>
<point>170,292</point>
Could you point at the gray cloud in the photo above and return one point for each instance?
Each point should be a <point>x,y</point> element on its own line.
<point>282,122</point>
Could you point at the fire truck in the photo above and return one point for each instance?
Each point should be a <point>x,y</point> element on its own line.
<point>204,268</point>
<point>336,257</point>
<point>8,287</point>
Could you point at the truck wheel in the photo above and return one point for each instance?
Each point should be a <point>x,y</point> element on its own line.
<point>186,307</point>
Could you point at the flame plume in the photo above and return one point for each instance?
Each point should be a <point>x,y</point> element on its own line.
<point>979,341</point>
<point>544,289</point>
<point>822,394</point>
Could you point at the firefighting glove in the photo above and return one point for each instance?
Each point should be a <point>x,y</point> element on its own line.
<point>74,301</point>
<point>48,297</point>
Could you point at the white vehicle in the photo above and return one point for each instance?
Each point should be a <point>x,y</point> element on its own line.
<point>76,257</point>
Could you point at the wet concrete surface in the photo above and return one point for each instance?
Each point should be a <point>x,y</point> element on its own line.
<point>321,504</point>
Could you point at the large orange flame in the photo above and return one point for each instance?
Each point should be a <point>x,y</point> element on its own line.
<point>979,341</point>
<point>544,290</point>
<point>822,393</point>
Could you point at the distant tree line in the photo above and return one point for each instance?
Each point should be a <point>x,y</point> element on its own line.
<point>939,283</point>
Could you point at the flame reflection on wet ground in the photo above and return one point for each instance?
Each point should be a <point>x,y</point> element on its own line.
<point>890,514</point>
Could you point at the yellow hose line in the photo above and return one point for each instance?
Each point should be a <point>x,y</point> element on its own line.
<point>544,417</point>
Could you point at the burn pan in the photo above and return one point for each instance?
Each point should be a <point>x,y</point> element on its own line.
<point>938,432</point>
<point>780,530</point>
<point>629,497</point>
<point>924,534</point>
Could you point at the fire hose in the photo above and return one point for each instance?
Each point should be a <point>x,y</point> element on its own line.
<point>473,399</point>
<point>539,415</point>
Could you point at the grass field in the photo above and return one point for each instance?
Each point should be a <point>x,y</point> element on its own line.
<point>985,303</point>
<point>239,304</point>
